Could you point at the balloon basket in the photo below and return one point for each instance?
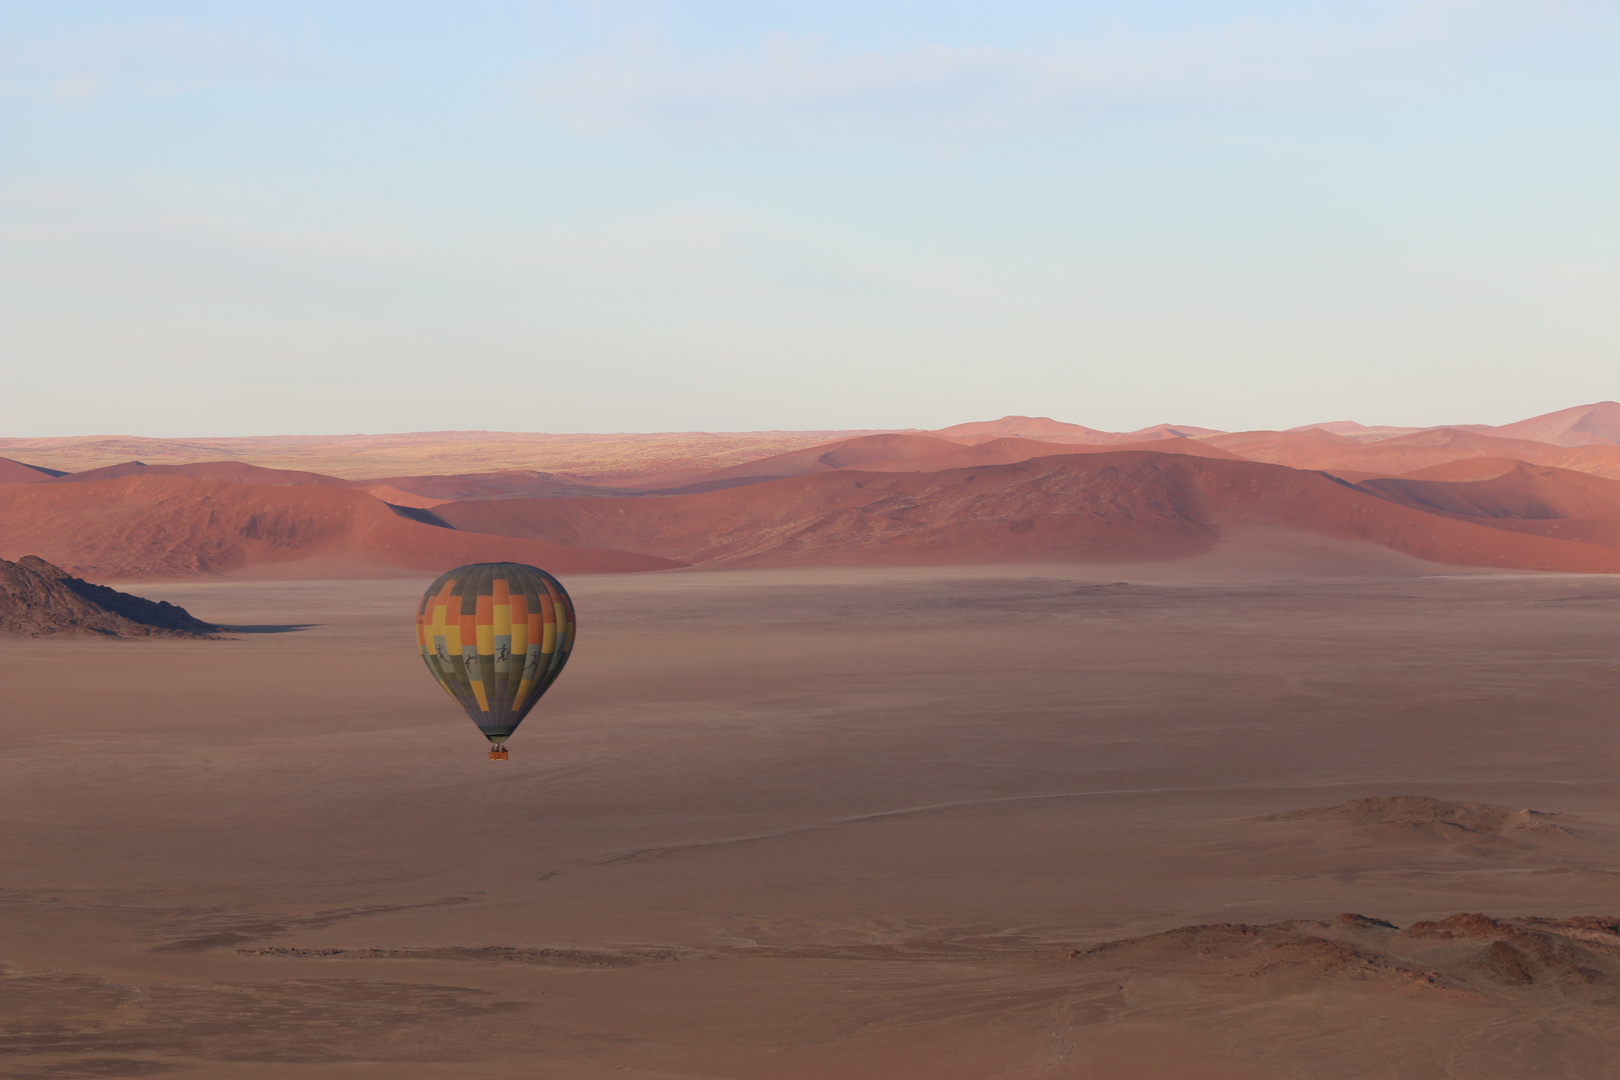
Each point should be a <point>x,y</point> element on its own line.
<point>497,753</point>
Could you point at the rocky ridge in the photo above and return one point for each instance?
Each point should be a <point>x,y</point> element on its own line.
<point>38,599</point>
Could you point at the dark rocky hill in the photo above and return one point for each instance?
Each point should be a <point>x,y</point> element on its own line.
<point>38,600</point>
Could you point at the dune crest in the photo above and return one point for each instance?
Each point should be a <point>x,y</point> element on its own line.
<point>1018,489</point>
<point>165,526</point>
<point>17,472</point>
<point>1095,507</point>
<point>1597,424</point>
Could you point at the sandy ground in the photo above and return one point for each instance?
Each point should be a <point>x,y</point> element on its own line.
<point>799,824</point>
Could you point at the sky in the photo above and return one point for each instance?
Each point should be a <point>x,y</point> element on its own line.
<point>346,216</point>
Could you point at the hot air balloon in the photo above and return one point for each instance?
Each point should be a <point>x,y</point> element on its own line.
<point>496,636</point>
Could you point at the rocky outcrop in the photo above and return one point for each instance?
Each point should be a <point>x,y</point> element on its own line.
<point>41,600</point>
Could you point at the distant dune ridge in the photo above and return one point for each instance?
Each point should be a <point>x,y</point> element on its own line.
<point>175,527</point>
<point>1088,507</point>
<point>1539,494</point>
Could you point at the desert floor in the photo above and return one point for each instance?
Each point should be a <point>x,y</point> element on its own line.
<point>821,824</point>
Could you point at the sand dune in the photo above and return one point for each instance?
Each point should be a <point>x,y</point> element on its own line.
<point>1461,470</point>
<point>395,497</point>
<point>926,453</point>
<point>1598,460</point>
<point>1522,491</point>
<point>680,457</point>
<point>1012,451</point>
<point>174,526</point>
<point>1317,449</point>
<point>1085,507</point>
<point>1400,453</point>
<point>622,458</point>
<point>15,472</point>
<point>920,453</point>
<point>1524,498</point>
<point>1583,425</point>
<point>1450,495</point>
<point>1460,443</point>
<point>823,457</point>
<point>884,499</point>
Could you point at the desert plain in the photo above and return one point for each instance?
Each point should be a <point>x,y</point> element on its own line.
<point>834,822</point>
<point>1013,750</point>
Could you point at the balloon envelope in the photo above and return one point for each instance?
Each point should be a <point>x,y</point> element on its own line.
<point>496,636</point>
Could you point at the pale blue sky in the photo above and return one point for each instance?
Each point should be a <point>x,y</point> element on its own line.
<point>254,218</point>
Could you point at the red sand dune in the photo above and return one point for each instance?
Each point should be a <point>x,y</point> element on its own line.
<point>1461,442</point>
<point>1011,451</point>
<point>158,526</point>
<point>1073,507</point>
<point>15,472</point>
<point>1536,499</point>
<point>1597,424</point>
<point>1404,454</point>
<point>921,453</point>
<point>1518,491</point>
<point>1461,470</point>
<point>395,497</point>
<point>861,452</point>
<point>621,459</point>
<point>1597,460</point>
<point>972,493</point>
<point>1583,425</point>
